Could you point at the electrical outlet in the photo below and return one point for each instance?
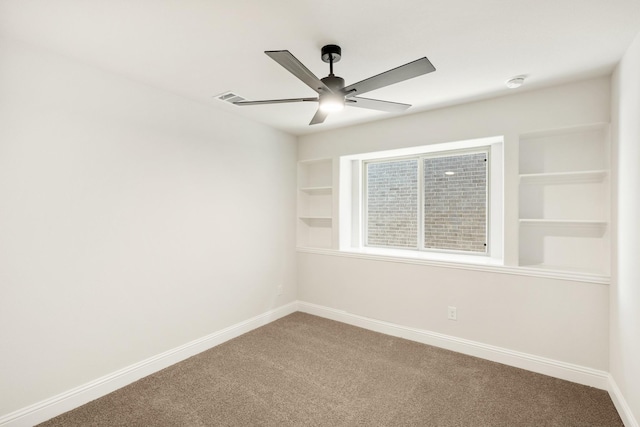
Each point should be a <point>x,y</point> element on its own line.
<point>280,289</point>
<point>451,313</point>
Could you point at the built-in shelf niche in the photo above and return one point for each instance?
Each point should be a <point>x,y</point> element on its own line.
<point>564,200</point>
<point>564,150</point>
<point>315,203</point>
<point>569,195</point>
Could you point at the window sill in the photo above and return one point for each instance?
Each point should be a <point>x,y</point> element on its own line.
<point>427,256</point>
<point>479,263</point>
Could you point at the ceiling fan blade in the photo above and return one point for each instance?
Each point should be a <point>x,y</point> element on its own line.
<point>275,101</point>
<point>319,117</point>
<point>396,75</point>
<point>376,104</point>
<point>295,67</point>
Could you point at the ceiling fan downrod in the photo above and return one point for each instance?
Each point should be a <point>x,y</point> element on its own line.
<point>331,53</point>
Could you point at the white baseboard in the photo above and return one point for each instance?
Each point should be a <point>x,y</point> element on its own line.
<point>78,396</point>
<point>554,368</point>
<point>621,404</point>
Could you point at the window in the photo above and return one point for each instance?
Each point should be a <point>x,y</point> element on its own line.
<point>432,202</point>
<point>392,203</point>
<point>436,202</point>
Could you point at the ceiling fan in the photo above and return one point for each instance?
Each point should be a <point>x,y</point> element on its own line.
<point>332,94</point>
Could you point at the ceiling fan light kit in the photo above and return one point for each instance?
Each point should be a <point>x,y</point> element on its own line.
<point>331,90</point>
<point>331,103</point>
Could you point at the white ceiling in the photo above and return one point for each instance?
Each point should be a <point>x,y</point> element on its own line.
<point>201,48</point>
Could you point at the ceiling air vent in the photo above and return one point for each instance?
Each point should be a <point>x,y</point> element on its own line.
<point>229,97</point>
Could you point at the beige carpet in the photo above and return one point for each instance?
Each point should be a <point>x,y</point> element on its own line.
<point>303,370</point>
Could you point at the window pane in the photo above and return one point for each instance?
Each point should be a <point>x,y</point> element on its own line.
<point>392,204</point>
<point>455,202</point>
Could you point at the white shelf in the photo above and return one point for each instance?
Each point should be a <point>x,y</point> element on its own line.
<point>570,130</point>
<point>563,222</point>
<point>317,221</point>
<point>554,178</point>
<point>317,191</point>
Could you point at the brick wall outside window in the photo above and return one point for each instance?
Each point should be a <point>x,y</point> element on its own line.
<point>454,208</point>
<point>392,208</point>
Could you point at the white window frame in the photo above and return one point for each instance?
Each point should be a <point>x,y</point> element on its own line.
<point>351,201</point>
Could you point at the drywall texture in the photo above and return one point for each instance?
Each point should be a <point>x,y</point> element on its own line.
<point>132,221</point>
<point>625,289</point>
<point>562,320</point>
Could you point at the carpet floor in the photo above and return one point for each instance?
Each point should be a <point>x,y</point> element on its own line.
<point>304,370</point>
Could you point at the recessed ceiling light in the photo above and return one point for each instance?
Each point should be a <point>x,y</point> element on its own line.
<point>515,82</point>
<point>449,173</point>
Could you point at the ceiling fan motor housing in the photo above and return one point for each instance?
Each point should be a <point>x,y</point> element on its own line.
<point>335,83</point>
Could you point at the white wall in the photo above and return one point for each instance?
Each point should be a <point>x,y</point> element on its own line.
<point>132,221</point>
<point>625,286</point>
<point>558,319</point>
